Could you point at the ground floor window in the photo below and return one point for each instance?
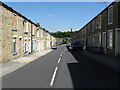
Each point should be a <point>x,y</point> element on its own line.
<point>14,44</point>
<point>25,45</point>
<point>99,42</point>
<point>110,39</point>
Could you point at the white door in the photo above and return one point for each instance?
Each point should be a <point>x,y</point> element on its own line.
<point>104,41</point>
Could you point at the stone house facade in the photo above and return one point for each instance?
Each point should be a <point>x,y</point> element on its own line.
<point>103,30</point>
<point>19,36</point>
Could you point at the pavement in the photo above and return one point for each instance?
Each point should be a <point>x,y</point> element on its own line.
<point>62,69</point>
<point>12,65</point>
<point>109,61</point>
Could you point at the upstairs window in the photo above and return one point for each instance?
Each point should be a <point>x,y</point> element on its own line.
<point>93,26</point>
<point>82,31</point>
<point>33,29</point>
<point>14,22</point>
<point>85,30</point>
<point>96,23</point>
<point>99,21</point>
<point>38,33</point>
<point>41,34</point>
<point>110,15</point>
<point>26,27</point>
<point>88,27</point>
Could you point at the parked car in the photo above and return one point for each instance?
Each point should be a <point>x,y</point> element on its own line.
<point>97,49</point>
<point>68,45</point>
<point>54,47</point>
<point>76,46</point>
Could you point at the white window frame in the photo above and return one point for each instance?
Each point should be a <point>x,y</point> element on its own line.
<point>109,14</point>
<point>110,38</point>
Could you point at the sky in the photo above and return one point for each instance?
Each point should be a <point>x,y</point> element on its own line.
<point>59,16</point>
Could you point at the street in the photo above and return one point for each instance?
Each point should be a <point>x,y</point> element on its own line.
<point>62,69</point>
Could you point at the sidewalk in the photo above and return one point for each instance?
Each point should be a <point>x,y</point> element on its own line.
<point>10,66</point>
<point>109,61</point>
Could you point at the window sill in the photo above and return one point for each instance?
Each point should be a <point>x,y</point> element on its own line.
<point>15,53</point>
<point>110,23</point>
<point>109,47</point>
<point>25,32</point>
<point>14,30</point>
<point>26,52</point>
<point>99,27</point>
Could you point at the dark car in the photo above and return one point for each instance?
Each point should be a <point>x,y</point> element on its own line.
<point>97,49</point>
<point>68,45</point>
<point>76,46</point>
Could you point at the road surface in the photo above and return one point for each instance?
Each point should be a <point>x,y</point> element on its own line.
<point>62,69</point>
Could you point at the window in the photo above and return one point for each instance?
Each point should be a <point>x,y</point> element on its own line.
<point>96,23</point>
<point>85,30</point>
<point>110,39</point>
<point>82,31</point>
<point>88,27</point>
<point>110,15</point>
<point>38,34</point>
<point>41,34</point>
<point>25,45</point>
<point>33,29</point>
<point>26,27</point>
<point>99,21</point>
<point>93,26</point>
<point>14,22</point>
<point>14,44</point>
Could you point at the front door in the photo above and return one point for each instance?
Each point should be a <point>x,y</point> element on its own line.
<point>29,45</point>
<point>20,45</point>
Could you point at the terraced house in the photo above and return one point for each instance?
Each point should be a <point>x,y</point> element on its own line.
<point>103,30</point>
<point>20,36</point>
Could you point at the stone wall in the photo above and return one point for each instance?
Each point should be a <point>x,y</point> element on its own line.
<point>0,32</point>
<point>6,34</point>
<point>13,25</point>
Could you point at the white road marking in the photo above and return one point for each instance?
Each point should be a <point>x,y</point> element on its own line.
<point>61,55</point>
<point>53,77</point>
<point>59,60</point>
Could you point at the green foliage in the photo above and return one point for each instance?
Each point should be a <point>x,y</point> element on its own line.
<point>60,34</point>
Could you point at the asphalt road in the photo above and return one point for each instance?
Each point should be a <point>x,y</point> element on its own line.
<point>62,69</point>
